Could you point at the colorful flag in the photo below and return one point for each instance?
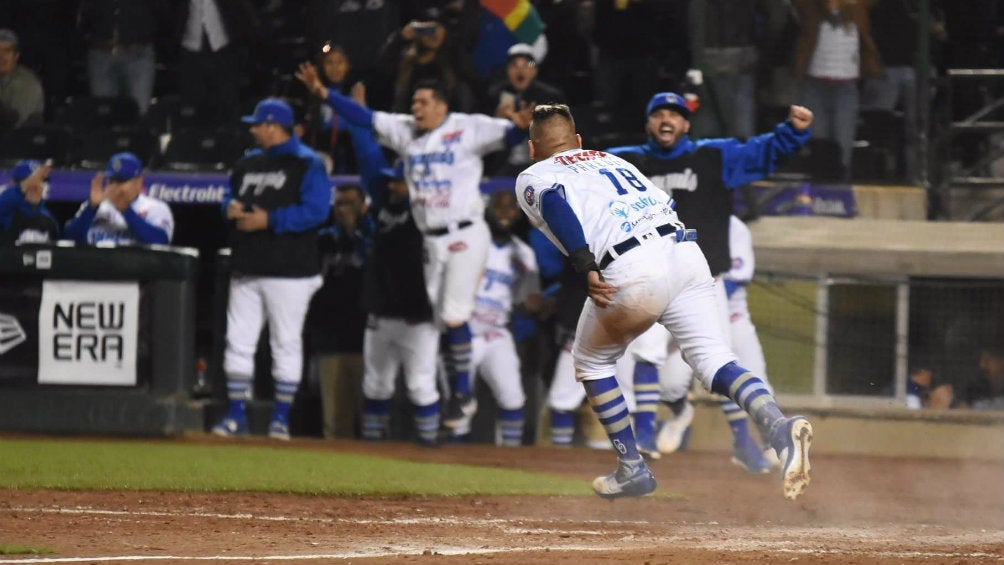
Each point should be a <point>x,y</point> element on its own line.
<point>503,24</point>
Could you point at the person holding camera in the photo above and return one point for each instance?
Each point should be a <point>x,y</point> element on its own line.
<point>278,198</point>
<point>118,211</point>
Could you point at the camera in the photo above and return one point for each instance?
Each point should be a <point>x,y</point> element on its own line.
<point>424,29</point>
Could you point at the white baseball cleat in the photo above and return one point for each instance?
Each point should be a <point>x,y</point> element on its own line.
<point>670,436</point>
<point>796,439</point>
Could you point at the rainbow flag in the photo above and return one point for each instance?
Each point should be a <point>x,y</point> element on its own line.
<point>503,24</point>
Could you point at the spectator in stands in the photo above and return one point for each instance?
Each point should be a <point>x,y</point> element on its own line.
<point>921,391</point>
<point>118,210</point>
<point>325,132</point>
<point>636,41</point>
<point>336,319</point>
<point>519,89</point>
<point>894,27</point>
<point>23,215</point>
<point>723,43</point>
<point>44,27</point>
<point>987,393</point>
<point>360,27</point>
<point>214,35</point>
<point>835,48</point>
<point>21,98</point>
<point>120,38</point>
<point>423,50</point>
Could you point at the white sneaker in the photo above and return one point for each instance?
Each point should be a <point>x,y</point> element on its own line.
<point>671,433</point>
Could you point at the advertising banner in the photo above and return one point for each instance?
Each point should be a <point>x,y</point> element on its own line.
<point>88,333</point>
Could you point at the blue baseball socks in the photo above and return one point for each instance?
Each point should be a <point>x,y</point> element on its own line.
<point>646,390</point>
<point>608,403</point>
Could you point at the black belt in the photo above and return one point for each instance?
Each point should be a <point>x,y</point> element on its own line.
<point>632,242</point>
<point>446,230</point>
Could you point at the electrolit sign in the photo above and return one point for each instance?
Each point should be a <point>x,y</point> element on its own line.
<point>88,333</point>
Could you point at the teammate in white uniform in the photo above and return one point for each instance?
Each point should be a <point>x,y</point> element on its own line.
<point>118,211</point>
<point>442,154</point>
<point>650,273</point>
<point>676,376</point>
<point>511,278</point>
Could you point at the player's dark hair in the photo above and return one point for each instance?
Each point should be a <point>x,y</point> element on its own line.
<point>352,187</point>
<point>544,112</point>
<point>437,88</point>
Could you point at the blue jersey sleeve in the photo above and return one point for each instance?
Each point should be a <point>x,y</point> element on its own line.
<point>369,157</point>
<point>743,163</point>
<point>314,205</point>
<point>549,258</point>
<point>10,200</point>
<point>562,221</point>
<point>77,227</point>
<point>349,109</point>
<point>144,230</point>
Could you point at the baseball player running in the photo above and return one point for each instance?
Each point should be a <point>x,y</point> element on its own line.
<point>442,153</point>
<point>511,278</point>
<point>700,177</point>
<point>277,199</point>
<point>640,269</point>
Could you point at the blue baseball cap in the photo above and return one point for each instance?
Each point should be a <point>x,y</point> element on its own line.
<point>123,166</point>
<point>271,110</point>
<point>668,100</point>
<point>24,168</point>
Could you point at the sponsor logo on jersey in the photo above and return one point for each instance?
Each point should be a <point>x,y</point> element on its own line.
<point>452,137</point>
<point>618,209</point>
<point>626,227</point>
<point>528,195</point>
<point>493,276</point>
<point>423,160</point>
<point>579,157</point>
<point>687,180</point>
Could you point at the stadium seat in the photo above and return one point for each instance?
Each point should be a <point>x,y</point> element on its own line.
<point>95,111</point>
<point>818,160</point>
<point>37,142</point>
<point>199,149</point>
<point>98,145</point>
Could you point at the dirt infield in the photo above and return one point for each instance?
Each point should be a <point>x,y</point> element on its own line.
<point>857,510</point>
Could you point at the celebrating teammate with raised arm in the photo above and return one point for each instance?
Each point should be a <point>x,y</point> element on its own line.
<point>442,152</point>
<point>642,266</point>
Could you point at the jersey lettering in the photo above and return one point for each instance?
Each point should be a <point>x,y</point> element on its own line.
<point>687,180</point>
<point>260,182</point>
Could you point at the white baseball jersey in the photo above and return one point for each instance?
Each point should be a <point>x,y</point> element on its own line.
<point>510,274</point>
<point>611,198</point>
<point>110,225</point>
<point>443,167</point>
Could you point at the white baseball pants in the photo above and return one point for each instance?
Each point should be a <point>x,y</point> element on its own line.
<point>391,344</point>
<point>454,264</point>
<point>283,303</point>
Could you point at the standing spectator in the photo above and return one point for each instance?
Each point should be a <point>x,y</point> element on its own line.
<point>520,87</point>
<point>21,96</point>
<point>120,47</point>
<point>214,36</point>
<point>325,132</point>
<point>723,46</point>
<point>442,152</point>
<point>835,48</point>
<point>336,318</point>
<point>24,217</point>
<point>894,27</point>
<point>119,211</point>
<point>510,280</point>
<point>278,198</point>
<point>700,176</point>
<point>424,50</point>
<point>635,40</point>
